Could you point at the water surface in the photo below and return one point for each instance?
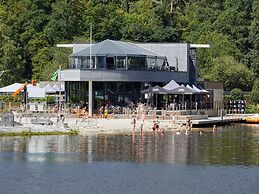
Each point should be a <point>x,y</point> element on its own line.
<point>226,161</point>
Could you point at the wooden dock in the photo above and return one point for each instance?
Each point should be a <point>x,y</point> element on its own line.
<point>218,121</point>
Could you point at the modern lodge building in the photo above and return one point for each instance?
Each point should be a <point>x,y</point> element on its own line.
<point>117,71</point>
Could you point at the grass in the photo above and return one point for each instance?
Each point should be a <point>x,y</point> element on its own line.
<point>31,133</point>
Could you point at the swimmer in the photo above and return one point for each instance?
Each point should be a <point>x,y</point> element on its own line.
<point>163,131</point>
<point>178,132</point>
<point>154,126</point>
<point>214,128</point>
<point>201,132</point>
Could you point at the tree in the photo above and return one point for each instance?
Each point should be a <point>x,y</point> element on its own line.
<point>106,20</point>
<point>253,55</point>
<point>220,47</point>
<point>232,73</point>
<point>236,94</point>
<point>65,20</point>
<point>254,96</point>
<point>235,20</point>
<point>256,85</point>
<point>10,58</point>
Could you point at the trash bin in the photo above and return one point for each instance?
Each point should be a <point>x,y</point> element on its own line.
<point>65,125</point>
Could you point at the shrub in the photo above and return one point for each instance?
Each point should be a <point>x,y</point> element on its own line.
<point>254,96</point>
<point>236,94</point>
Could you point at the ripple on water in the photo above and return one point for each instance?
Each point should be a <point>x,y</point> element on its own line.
<point>225,162</point>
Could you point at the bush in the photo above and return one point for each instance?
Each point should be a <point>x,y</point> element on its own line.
<point>251,108</point>
<point>254,96</point>
<point>6,100</point>
<point>236,94</point>
<point>256,85</point>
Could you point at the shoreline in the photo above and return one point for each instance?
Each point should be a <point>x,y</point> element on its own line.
<point>43,133</point>
<point>86,126</point>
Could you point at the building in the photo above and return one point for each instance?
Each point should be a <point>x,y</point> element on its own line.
<point>117,71</point>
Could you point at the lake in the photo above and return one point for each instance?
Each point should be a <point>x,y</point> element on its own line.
<point>226,161</point>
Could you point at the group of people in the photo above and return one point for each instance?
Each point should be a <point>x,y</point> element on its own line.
<point>188,126</point>
<point>156,127</point>
<point>103,111</point>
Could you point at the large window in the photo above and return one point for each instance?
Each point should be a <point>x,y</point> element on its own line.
<point>121,62</point>
<point>136,63</point>
<point>101,62</point>
<point>83,62</point>
<point>110,63</point>
<point>76,91</point>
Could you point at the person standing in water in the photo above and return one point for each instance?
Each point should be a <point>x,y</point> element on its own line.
<point>214,128</point>
<point>188,124</point>
<point>134,121</point>
<point>142,119</point>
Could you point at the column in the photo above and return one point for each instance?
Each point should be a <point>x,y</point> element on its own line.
<point>90,98</point>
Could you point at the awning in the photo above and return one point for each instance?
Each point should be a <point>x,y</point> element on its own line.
<point>182,90</point>
<point>171,85</point>
<point>155,90</point>
<point>59,87</point>
<point>36,92</point>
<point>50,90</point>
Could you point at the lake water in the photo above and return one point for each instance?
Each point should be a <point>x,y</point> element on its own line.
<point>226,161</point>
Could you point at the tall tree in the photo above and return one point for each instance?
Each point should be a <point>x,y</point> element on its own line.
<point>10,58</point>
<point>254,38</point>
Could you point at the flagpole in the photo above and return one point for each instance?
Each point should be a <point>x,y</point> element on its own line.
<point>90,83</point>
<point>59,107</point>
<point>91,46</point>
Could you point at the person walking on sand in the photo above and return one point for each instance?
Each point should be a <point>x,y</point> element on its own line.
<point>101,112</point>
<point>173,118</point>
<point>106,112</point>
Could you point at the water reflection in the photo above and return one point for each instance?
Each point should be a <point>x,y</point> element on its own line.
<point>231,145</point>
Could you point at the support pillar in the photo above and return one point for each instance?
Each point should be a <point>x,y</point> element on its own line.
<point>90,98</point>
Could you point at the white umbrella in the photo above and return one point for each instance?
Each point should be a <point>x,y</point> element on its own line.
<point>50,90</point>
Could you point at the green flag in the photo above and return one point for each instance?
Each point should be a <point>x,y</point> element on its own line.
<point>55,75</point>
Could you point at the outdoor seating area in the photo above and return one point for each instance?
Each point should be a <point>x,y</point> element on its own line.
<point>177,97</point>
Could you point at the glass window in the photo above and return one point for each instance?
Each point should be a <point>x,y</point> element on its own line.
<point>121,62</point>
<point>101,63</point>
<point>110,63</point>
<point>137,63</point>
<point>82,63</point>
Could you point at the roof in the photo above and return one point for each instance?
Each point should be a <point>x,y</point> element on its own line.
<point>11,88</point>
<point>154,90</point>
<point>171,85</point>
<point>116,48</point>
<point>182,90</point>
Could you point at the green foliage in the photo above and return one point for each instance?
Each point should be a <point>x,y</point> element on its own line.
<point>236,94</point>
<point>256,85</point>
<point>30,30</point>
<point>252,108</point>
<point>31,133</point>
<point>7,99</point>
<point>50,99</point>
<point>254,96</point>
<point>231,73</point>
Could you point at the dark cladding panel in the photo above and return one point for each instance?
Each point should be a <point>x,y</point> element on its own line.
<point>123,76</point>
